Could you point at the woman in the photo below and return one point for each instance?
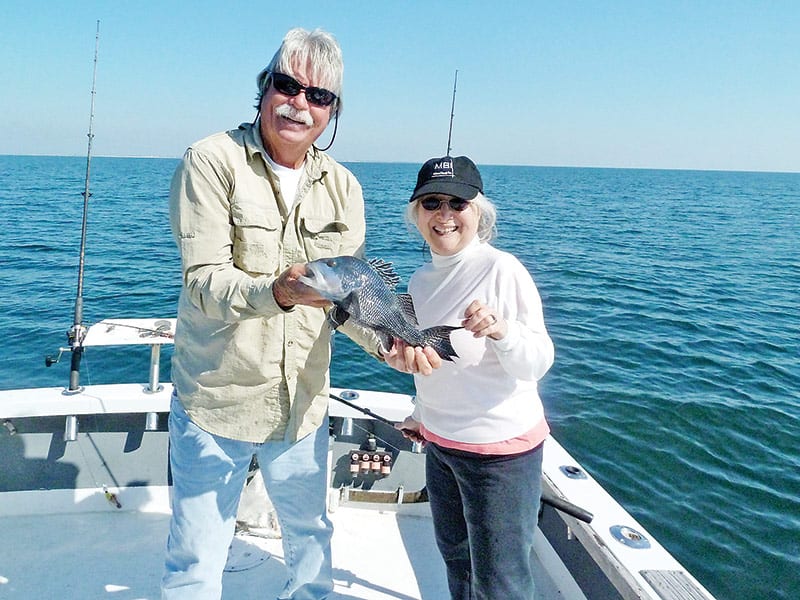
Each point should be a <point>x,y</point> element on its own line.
<point>481,414</point>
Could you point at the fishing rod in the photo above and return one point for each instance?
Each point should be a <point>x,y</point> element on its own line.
<point>363,410</point>
<point>77,332</point>
<point>452,113</point>
<point>561,504</point>
<point>161,330</point>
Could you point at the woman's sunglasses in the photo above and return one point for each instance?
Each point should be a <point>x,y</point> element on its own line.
<point>291,87</point>
<point>432,204</point>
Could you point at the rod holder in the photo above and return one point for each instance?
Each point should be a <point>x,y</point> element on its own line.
<point>71,428</point>
<point>347,427</point>
<point>151,421</point>
<point>155,365</point>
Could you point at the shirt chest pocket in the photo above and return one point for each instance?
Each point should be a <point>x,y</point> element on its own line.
<point>322,236</point>
<point>256,239</point>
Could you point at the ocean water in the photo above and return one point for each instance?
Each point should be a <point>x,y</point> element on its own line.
<point>672,298</point>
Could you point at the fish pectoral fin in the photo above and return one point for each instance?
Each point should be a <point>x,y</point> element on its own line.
<point>352,304</point>
<point>407,306</point>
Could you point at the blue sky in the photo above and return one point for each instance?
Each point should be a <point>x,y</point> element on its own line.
<point>682,84</point>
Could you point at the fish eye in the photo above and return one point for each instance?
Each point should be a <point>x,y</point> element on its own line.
<point>331,262</point>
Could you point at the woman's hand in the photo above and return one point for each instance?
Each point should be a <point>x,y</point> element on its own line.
<point>412,359</point>
<point>410,429</point>
<point>483,321</point>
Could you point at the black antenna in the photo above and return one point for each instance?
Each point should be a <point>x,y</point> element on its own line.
<point>78,331</point>
<point>452,114</point>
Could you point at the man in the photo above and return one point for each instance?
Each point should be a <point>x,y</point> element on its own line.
<point>248,207</point>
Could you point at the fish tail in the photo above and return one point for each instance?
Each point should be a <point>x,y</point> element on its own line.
<point>438,338</point>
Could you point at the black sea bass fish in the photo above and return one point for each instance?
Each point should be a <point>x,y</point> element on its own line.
<point>365,292</point>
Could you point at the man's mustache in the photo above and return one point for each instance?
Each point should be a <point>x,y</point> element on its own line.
<point>289,112</point>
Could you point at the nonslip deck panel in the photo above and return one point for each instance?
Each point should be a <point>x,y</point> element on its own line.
<point>673,585</point>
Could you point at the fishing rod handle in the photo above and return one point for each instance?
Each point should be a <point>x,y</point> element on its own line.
<point>567,507</point>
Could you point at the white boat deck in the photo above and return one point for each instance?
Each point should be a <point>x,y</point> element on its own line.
<point>72,543</point>
<point>118,555</point>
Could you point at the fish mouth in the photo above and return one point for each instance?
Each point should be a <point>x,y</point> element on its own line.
<point>324,280</point>
<point>312,279</point>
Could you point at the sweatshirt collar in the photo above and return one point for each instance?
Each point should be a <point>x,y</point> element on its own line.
<point>440,261</point>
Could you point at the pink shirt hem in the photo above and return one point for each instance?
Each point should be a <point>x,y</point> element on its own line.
<point>516,445</point>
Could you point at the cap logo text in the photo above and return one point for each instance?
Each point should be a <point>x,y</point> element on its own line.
<point>443,169</point>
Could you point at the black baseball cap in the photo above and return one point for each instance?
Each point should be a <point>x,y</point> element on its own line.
<point>457,177</point>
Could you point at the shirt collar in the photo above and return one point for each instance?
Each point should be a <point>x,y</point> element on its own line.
<point>254,145</point>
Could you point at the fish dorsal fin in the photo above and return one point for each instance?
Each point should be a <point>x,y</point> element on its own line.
<point>386,272</point>
<point>407,306</point>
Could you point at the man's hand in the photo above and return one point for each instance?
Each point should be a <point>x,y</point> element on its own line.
<point>288,291</point>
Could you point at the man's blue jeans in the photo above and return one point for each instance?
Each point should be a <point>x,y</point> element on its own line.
<point>485,513</point>
<point>208,474</point>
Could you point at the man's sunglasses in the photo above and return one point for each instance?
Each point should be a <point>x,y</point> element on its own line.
<point>432,204</point>
<point>291,87</point>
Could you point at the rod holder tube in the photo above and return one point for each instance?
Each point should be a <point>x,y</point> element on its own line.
<point>71,428</point>
<point>151,421</point>
<point>155,365</point>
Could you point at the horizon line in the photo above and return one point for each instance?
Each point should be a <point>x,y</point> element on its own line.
<point>692,169</point>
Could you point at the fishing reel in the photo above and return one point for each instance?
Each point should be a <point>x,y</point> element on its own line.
<point>50,360</point>
<point>75,337</point>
